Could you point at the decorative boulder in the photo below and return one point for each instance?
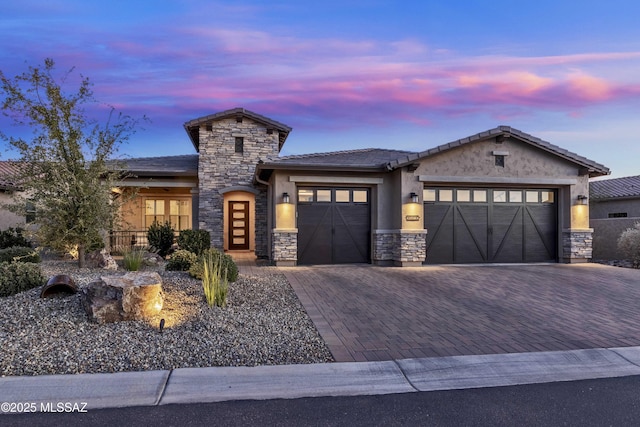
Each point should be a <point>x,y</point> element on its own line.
<point>134,296</point>
<point>102,259</point>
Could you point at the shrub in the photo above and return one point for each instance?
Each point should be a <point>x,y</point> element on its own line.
<point>629,244</point>
<point>160,237</point>
<point>214,278</point>
<point>195,241</point>
<point>19,254</point>
<point>18,277</point>
<point>13,237</point>
<point>132,259</point>
<point>181,260</point>
<point>228,264</point>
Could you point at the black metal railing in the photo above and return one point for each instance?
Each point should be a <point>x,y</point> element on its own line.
<point>128,239</point>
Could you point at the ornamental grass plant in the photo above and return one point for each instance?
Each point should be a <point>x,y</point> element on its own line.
<point>214,279</point>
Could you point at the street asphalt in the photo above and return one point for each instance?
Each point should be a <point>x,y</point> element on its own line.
<point>86,392</point>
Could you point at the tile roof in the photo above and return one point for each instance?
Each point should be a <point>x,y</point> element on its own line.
<point>594,168</point>
<point>192,126</point>
<point>374,158</point>
<point>627,187</point>
<point>7,168</point>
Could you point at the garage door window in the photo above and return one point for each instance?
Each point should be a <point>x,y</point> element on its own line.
<point>360,196</point>
<point>463,195</point>
<point>305,195</point>
<point>342,196</point>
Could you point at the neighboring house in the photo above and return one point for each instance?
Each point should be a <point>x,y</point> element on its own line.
<point>614,207</point>
<point>7,190</point>
<point>497,196</point>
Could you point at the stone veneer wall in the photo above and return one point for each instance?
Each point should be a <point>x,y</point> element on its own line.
<point>284,247</point>
<point>577,245</point>
<point>262,249</point>
<point>221,167</point>
<point>400,247</point>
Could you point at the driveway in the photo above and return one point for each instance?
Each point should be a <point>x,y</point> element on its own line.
<point>368,313</point>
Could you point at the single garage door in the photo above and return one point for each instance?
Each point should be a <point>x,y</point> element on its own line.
<point>334,225</point>
<point>489,225</point>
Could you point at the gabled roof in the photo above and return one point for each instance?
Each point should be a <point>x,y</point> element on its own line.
<point>184,165</point>
<point>627,187</point>
<point>591,167</point>
<point>193,126</point>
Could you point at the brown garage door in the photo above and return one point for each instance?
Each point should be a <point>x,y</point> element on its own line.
<point>489,225</point>
<point>334,225</point>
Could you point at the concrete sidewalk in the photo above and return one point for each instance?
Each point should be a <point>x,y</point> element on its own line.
<point>216,384</point>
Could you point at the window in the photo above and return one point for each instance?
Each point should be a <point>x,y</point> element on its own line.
<point>515,196</point>
<point>429,195</point>
<point>239,144</point>
<point>154,211</point>
<point>323,195</point>
<point>305,195</point>
<point>547,197</point>
<point>446,195</point>
<point>480,196</point>
<point>342,196</point>
<point>532,197</point>
<point>463,195</point>
<point>360,196</point>
<point>179,213</point>
<point>618,215</point>
<point>499,196</point>
<point>31,212</point>
<point>499,160</point>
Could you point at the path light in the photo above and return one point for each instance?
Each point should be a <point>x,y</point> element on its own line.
<point>161,325</point>
<point>285,198</point>
<point>414,197</point>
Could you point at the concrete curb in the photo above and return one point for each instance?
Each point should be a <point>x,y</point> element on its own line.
<point>216,384</point>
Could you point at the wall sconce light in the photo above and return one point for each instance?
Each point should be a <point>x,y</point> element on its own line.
<point>582,199</point>
<point>285,198</point>
<point>414,197</point>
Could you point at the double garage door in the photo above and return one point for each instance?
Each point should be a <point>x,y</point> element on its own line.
<point>490,225</point>
<point>334,225</point>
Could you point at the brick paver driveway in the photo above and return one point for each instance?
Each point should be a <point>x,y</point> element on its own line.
<point>376,313</point>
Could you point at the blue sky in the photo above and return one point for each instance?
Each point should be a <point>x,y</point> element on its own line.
<point>351,74</point>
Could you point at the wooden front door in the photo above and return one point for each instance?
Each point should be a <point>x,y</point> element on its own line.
<point>238,225</point>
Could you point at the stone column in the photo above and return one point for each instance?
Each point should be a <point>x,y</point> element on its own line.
<point>284,248</point>
<point>577,245</point>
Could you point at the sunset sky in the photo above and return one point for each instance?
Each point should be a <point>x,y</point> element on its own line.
<point>351,74</point>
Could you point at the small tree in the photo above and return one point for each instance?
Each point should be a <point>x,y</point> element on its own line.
<point>65,167</point>
<point>629,244</point>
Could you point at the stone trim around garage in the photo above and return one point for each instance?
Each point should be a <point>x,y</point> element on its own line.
<point>402,248</point>
<point>284,247</point>
<point>577,245</point>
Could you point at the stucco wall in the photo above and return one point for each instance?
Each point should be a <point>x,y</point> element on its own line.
<point>602,209</point>
<point>7,218</point>
<point>606,232</point>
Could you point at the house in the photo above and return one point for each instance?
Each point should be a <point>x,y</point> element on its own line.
<point>497,196</point>
<point>615,206</point>
<point>7,189</point>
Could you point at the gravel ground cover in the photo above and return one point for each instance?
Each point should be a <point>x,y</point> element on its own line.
<point>262,324</point>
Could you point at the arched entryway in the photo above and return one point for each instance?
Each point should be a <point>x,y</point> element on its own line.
<point>239,219</point>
